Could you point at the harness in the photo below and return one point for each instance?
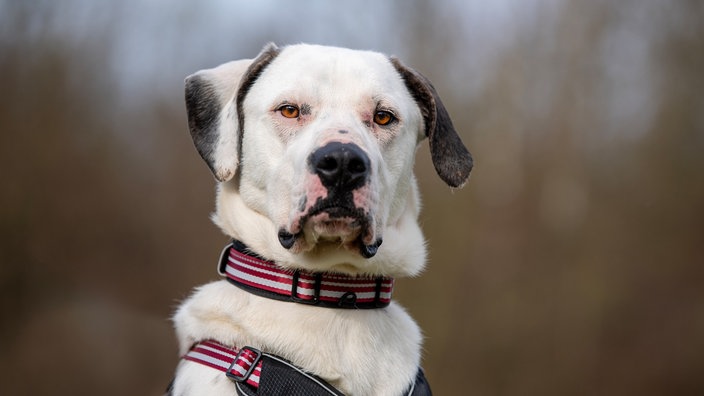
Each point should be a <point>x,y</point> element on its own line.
<point>255,372</point>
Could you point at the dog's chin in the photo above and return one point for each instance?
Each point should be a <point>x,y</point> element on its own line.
<point>342,230</point>
<point>337,228</point>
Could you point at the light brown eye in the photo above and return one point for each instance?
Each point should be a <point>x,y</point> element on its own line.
<point>289,111</point>
<point>383,117</point>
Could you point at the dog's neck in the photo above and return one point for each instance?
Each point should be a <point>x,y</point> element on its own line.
<point>259,276</point>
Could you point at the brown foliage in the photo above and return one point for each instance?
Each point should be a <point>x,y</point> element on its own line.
<point>572,263</point>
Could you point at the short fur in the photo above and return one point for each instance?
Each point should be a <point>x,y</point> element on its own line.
<point>272,199</point>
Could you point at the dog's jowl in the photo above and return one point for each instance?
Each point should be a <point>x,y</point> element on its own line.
<point>313,150</point>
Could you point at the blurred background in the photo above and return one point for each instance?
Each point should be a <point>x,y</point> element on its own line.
<point>571,264</point>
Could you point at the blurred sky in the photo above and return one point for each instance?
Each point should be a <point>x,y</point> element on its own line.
<point>148,45</point>
<point>163,38</point>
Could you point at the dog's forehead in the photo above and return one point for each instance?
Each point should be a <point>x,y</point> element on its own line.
<point>332,59</point>
<point>324,70</point>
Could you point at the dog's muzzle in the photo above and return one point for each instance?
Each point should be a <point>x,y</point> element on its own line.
<point>338,208</point>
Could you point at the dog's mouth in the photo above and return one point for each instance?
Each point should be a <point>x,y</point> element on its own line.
<point>350,228</point>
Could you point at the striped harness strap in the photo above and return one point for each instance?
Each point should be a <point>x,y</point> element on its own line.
<point>243,365</point>
<point>246,367</point>
<point>258,373</point>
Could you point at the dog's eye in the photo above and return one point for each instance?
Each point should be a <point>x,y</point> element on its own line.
<point>383,117</point>
<point>289,111</point>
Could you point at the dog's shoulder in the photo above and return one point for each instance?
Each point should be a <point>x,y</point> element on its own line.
<point>212,311</point>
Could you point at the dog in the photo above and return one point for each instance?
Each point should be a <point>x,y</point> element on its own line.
<point>313,150</point>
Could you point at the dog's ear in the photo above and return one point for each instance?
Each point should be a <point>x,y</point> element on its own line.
<point>212,104</point>
<point>451,159</point>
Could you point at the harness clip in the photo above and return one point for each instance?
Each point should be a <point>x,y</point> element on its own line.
<point>243,360</point>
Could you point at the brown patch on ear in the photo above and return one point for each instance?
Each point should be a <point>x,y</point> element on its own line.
<point>268,54</point>
<point>452,161</point>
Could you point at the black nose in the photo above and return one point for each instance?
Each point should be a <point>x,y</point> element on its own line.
<point>340,165</point>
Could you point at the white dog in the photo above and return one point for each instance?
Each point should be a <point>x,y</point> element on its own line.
<point>313,148</point>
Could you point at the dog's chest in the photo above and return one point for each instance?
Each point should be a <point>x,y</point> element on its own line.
<point>358,351</point>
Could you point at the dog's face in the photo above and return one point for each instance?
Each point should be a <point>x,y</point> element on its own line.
<point>335,127</point>
<point>315,146</point>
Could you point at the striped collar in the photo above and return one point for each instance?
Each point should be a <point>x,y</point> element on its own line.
<point>264,278</point>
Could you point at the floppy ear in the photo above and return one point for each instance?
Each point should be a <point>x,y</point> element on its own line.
<point>212,98</point>
<point>451,159</point>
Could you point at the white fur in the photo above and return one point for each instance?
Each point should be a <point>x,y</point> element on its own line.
<point>361,352</point>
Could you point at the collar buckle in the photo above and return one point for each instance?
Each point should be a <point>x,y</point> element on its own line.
<point>316,289</point>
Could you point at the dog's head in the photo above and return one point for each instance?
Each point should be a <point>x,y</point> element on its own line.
<point>314,148</point>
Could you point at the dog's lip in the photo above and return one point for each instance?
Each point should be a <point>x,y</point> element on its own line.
<point>330,221</point>
<point>348,227</point>
<point>336,211</point>
<point>337,221</point>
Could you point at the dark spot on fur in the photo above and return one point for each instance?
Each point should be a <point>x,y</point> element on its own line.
<point>451,159</point>
<point>270,52</point>
<point>203,109</point>
<point>369,251</point>
<point>286,239</point>
<point>305,109</point>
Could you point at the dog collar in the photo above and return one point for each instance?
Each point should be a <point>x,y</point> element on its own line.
<point>332,290</point>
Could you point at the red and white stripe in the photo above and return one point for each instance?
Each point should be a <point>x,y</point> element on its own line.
<point>266,275</point>
<point>218,356</point>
